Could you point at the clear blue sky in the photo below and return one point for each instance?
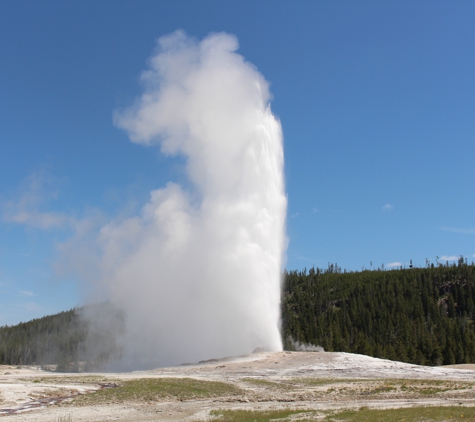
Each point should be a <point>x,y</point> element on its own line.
<point>376,100</point>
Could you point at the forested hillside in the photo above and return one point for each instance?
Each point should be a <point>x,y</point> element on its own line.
<point>418,315</point>
<point>64,339</point>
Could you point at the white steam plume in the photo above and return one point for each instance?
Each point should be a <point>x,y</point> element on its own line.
<point>305,347</point>
<point>198,272</point>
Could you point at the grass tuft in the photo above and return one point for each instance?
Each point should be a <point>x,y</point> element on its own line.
<point>64,419</point>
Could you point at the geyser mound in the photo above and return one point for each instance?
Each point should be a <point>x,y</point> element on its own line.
<point>198,272</point>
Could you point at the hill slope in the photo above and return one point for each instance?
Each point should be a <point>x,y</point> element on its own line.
<point>70,336</point>
<point>418,315</point>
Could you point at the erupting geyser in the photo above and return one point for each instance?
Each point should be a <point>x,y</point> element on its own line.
<point>198,272</point>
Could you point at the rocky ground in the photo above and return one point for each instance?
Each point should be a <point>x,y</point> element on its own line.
<point>319,381</point>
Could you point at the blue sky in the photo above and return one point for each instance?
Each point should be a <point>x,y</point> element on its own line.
<point>376,101</point>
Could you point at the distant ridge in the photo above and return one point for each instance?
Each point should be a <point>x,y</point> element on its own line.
<point>71,339</point>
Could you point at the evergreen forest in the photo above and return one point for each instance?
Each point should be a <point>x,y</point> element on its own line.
<point>419,315</point>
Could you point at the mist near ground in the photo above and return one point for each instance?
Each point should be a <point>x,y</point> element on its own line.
<point>198,271</point>
<point>304,347</point>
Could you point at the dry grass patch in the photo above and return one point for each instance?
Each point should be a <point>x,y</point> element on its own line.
<point>87,379</point>
<point>147,390</point>
<point>414,414</point>
<point>397,388</point>
<point>51,393</point>
<point>429,387</point>
<point>419,388</point>
<point>257,415</point>
<point>273,385</point>
<point>316,382</point>
<point>64,419</point>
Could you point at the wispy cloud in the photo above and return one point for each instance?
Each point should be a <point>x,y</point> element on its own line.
<point>315,209</point>
<point>40,220</point>
<point>295,215</point>
<point>38,188</point>
<point>28,208</point>
<point>26,293</point>
<point>393,264</point>
<point>388,207</point>
<point>31,307</point>
<point>449,258</point>
<point>458,230</point>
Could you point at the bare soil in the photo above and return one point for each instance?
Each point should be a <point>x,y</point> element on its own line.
<point>299,380</point>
